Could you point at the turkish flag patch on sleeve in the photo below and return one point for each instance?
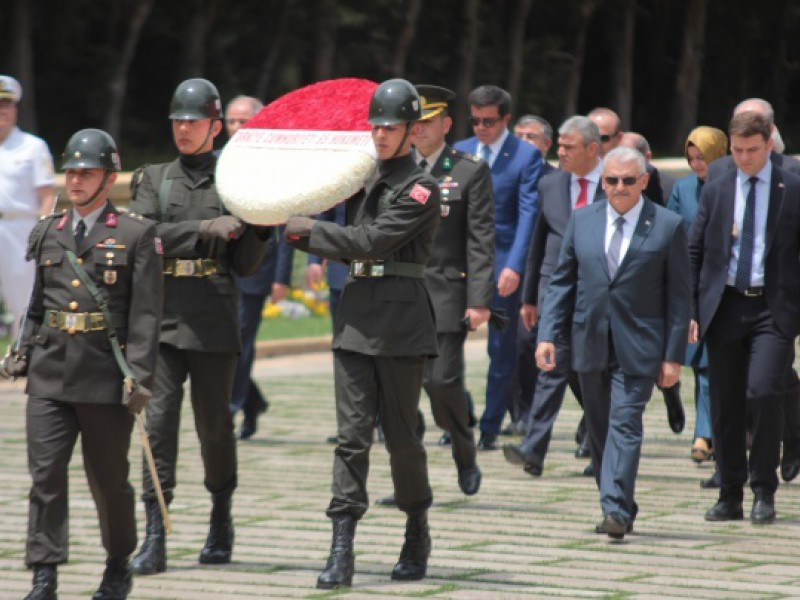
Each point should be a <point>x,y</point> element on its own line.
<point>420,193</point>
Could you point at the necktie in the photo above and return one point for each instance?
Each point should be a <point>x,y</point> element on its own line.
<point>582,195</point>
<point>80,233</point>
<point>748,234</point>
<point>487,153</point>
<point>614,247</point>
<point>423,164</point>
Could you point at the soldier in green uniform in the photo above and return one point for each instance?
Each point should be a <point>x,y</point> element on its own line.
<point>203,247</point>
<point>383,333</point>
<point>97,273</point>
<point>459,275</point>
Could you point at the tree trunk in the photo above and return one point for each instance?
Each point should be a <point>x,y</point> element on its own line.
<point>273,52</point>
<point>398,68</point>
<point>193,60</point>
<point>22,64</point>
<point>467,47</point>
<point>623,64</point>
<point>689,75</point>
<point>325,37</point>
<point>782,68</point>
<point>118,83</point>
<point>585,12</point>
<point>516,47</point>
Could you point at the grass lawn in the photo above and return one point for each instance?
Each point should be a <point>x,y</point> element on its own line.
<point>282,328</point>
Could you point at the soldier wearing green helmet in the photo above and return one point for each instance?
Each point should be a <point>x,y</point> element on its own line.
<point>98,288</point>
<point>384,332</point>
<point>204,246</point>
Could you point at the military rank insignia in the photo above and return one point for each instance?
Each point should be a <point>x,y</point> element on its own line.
<point>111,220</point>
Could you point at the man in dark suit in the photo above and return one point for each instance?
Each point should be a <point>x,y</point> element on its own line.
<point>744,245</point>
<point>515,168</point>
<point>575,186</point>
<point>385,330</point>
<point>537,131</point>
<point>622,285</point>
<point>75,381</point>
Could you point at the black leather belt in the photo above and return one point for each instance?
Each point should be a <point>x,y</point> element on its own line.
<point>751,292</point>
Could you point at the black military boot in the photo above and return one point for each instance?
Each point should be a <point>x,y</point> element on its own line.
<point>417,548</point>
<point>341,563</point>
<point>219,543</point>
<point>45,581</point>
<point>117,580</point>
<point>152,557</point>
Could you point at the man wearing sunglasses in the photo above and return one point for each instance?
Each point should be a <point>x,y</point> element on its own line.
<point>621,291</point>
<point>515,167</point>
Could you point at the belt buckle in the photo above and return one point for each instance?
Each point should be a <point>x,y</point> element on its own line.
<point>74,322</point>
<point>359,269</point>
<point>185,268</point>
<point>752,293</point>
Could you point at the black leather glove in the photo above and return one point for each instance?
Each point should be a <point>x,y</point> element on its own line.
<point>226,227</point>
<point>14,365</point>
<point>135,397</point>
<point>297,227</point>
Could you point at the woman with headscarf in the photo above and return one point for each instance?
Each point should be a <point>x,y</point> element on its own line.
<point>703,146</point>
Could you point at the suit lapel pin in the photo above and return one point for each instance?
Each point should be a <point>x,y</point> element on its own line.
<point>780,185</point>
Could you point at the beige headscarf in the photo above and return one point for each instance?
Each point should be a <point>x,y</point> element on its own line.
<point>711,142</point>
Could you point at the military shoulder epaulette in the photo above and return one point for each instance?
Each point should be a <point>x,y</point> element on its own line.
<point>469,157</point>
<point>135,217</point>
<point>37,233</point>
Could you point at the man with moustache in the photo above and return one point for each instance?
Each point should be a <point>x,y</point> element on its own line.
<point>621,292</point>
<point>204,246</point>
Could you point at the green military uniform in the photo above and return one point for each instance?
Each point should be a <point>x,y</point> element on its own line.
<point>74,383</point>
<point>384,330</point>
<point>459,275</point>
<point>200,328</point>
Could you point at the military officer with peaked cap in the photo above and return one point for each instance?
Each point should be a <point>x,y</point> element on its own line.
<point>459,275</point>
<point>203,247</point>
<point>98,273</point>
<point>383,333</point>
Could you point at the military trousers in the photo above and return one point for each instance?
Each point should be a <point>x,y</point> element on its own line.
<point>367,386</point>
<point>52,430</point>
<point>211,384</point>
<point>444,384</point>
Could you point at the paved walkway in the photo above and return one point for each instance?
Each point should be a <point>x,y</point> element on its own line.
<point>519,537</point>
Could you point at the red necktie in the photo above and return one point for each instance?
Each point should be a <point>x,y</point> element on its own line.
<point>582,196</point>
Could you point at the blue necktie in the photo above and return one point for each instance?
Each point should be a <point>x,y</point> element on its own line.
<point>487,153</point>
<point>746,239</point>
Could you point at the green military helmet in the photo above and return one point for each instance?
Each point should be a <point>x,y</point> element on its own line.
<point>195,99</point>
<point>394,101</point>
<point>91,149</point>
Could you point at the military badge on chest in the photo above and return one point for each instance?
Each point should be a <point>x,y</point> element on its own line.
<point>110,277</point>
<point>445,185</point>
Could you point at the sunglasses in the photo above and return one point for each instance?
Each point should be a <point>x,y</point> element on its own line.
<point>605,138</point>
<point>486,121</point>
<point>626,181</point>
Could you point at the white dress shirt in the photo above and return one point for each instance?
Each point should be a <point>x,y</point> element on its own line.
<point>760,239</point>
<point>631,218</point>
<point>593,177</point>
<point>432,158</point>
<point>89,219</point>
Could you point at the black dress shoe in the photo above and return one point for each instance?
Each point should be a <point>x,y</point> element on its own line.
<point>763,512</point>
<point>600,527</point>
<point>515,456</point>
<point>533,469</point>
<point>249,426</point>
<point>488,441</point>
<point>469,480</point>
<point>582,451</point>
<point>675,414</point>
<point>445,440</point>
<point>589,470</point>
<point>712,483</point>
<point>614,526</point>
<point>725,510</point>
<point>389,500</point>
<point>790,466</point>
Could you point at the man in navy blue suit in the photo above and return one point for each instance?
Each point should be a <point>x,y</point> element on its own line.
<point>744,245</point>
<point>621,292</point>
<point>515,167</point>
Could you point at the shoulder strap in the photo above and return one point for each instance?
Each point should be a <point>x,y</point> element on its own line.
<point>102,303</point>
<point>163,194</point>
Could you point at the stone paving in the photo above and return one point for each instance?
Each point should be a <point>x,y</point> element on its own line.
<point>519,537</point>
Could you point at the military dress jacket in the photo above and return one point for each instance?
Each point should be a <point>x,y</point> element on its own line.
<point>200,313</point>
<point>393,219</point>
<point>120,255</point>
<point>460,272</point>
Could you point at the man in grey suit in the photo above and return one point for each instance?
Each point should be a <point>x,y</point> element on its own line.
<point>575,186</point>
<point>622,287</point>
